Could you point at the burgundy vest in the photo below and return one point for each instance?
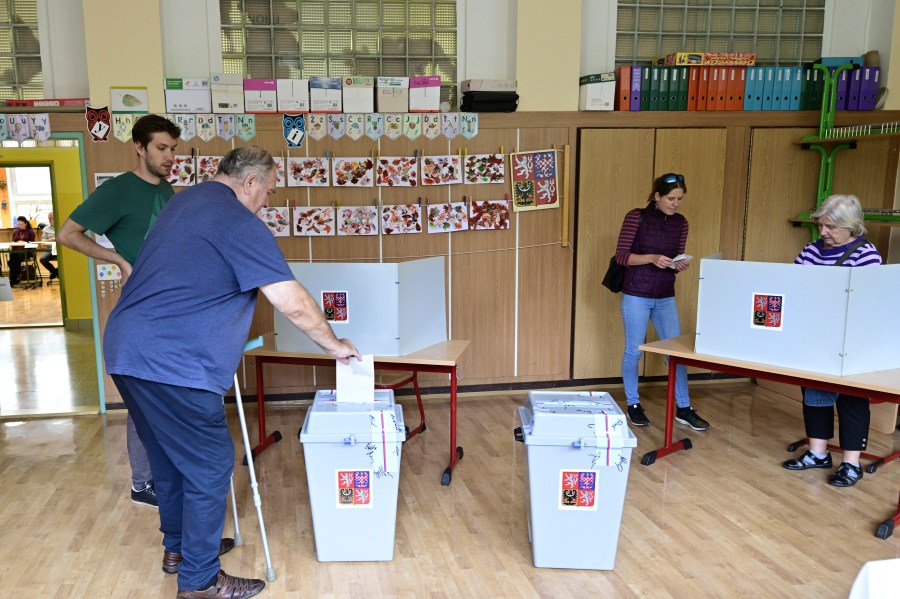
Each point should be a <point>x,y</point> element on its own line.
<point>658,234</point>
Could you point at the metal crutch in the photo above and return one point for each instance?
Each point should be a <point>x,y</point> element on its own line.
<point>270,571</point>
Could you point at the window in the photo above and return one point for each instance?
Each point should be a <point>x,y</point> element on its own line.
<point>298,39</point>
<point>782,32</point>
<point>30,192</point>
<point>21,75</point>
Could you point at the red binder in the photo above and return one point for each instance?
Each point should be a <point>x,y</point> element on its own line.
<point>722,88</point>
<point>735,88</point>
<point>623,88</point>
<point>702,87</point>
<point>693,87</point>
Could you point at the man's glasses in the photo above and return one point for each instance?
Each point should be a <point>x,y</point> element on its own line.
<point>673,178</point>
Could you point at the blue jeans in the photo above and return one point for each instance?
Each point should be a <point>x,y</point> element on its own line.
<point>818,398</point>
<point>637,312</point>
<point>190,449</point>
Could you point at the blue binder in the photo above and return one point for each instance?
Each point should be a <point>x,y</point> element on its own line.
<point>768,88</point>
<point>750,88</point>
<point>796,88</point>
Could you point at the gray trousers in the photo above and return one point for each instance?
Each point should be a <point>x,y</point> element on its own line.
<point>137,455</point>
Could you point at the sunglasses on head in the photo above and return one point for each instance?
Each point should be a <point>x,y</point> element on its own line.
<point>673,178</point>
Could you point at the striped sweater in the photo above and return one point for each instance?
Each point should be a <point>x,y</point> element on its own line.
<point>816,254</point>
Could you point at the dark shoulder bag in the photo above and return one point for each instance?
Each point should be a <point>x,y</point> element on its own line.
<point>614,279</point>
<point>861,241</point>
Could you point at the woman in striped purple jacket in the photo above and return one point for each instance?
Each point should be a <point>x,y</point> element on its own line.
<point>842,243</point>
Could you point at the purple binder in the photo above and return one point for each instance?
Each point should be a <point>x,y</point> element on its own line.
<point>843,88</point>
<point>868,88</point>
<point>853,94</point>
<point>635,103</point>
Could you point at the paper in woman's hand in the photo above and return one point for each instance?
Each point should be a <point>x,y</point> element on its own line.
<point>680,258</point>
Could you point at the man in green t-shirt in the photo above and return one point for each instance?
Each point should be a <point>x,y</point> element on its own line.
<point>124,208</point>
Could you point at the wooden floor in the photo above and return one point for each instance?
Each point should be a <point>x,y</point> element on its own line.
<point>39,306</point>
<point>721,520</point>
<point>47,370</point>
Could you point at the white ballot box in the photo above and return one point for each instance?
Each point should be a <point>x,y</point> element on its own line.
<point>352,454</point>
<point>578,448</point>
<point>389,309</point>
<point>825,319</point>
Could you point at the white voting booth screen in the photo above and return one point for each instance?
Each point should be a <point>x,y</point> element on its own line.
<point>830,320</point>
<point>387,309</point>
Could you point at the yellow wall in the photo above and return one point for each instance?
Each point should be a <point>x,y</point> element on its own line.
<point>548,54</point>
<point>893,79</point>
<point>128,50</point>
<point>65,168</point>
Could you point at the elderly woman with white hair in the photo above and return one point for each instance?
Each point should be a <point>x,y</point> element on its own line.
<point>842,243</point>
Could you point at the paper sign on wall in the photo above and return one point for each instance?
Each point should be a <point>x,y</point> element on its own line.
<point>98,123</point>
<point>39,126</point>
<point>188,125</point>
<point>294,126</point>
<point>122,125</point>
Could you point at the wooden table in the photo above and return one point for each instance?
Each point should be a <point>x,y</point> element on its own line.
<point>441,358</point>
<point>880,386</point>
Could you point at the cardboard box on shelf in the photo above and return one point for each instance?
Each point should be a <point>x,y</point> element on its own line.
<point>227,93</point>
<point>260,95</point>
<point>392,94</point>
<point>359,94</point>
<point>324,94</point>
<point>687,59</point>
<point>188,95</point>
<point>425,94</point>
<point>293,95</point>
<point>597,92</point>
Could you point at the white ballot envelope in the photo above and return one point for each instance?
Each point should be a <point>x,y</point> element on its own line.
<point>356,380</point>
<point>680,258</point>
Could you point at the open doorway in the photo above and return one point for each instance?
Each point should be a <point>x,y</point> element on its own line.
<point>28,255</point>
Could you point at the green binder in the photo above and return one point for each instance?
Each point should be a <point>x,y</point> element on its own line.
<point>683,77</point>
<point>645,88</point>
<point>664,75</point>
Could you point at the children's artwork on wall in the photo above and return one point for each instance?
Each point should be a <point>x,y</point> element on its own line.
<point>188,125</point>
<point>183,173</point>
<point>450,124</point>
<point>447,218</point>
<point>207,167</point>
<point>393,125</point>
<point>358,220</point>
<point>468,124</point>
<point>431,124</point>
<point>277,220</point>
<point>18,127</point>
<point>122,125</point>
<point>398,219</point>
<point>487,215</point>
<point>245,125</point>
<point>335,306</point>
<point>441,170</point>
<point>225,127</point>
<point>412,125</point>
<point>316,221</point>
<point>355,125</point>
<point>397,171</point>
<point>374,125</point>
<point>354,172</point>
<point>280,179</point>
<point>534,180</point>
<point>4,128</point>
<point>206,126</point>
<point>485,168</point>
<point>336,126</point>
<point>308,172</point>
<point>317,126</point>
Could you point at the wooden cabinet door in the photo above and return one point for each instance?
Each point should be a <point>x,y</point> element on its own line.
<point>615,174</point>
<point>698,154</point>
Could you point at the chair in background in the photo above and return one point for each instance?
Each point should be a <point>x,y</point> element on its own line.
<point>393,380</point>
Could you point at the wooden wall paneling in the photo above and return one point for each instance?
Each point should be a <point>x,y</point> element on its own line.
<point>866,172</point>
<point>783,180</point>
<point>734,194</point>
<point>545,274</point>
<point>703,207</point>
<point>615,168</point>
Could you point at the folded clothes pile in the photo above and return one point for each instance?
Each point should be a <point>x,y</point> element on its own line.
<point>484,101</point>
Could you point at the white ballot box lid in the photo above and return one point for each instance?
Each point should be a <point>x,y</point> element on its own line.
<point>585,418</point>
<point>330,421</point>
